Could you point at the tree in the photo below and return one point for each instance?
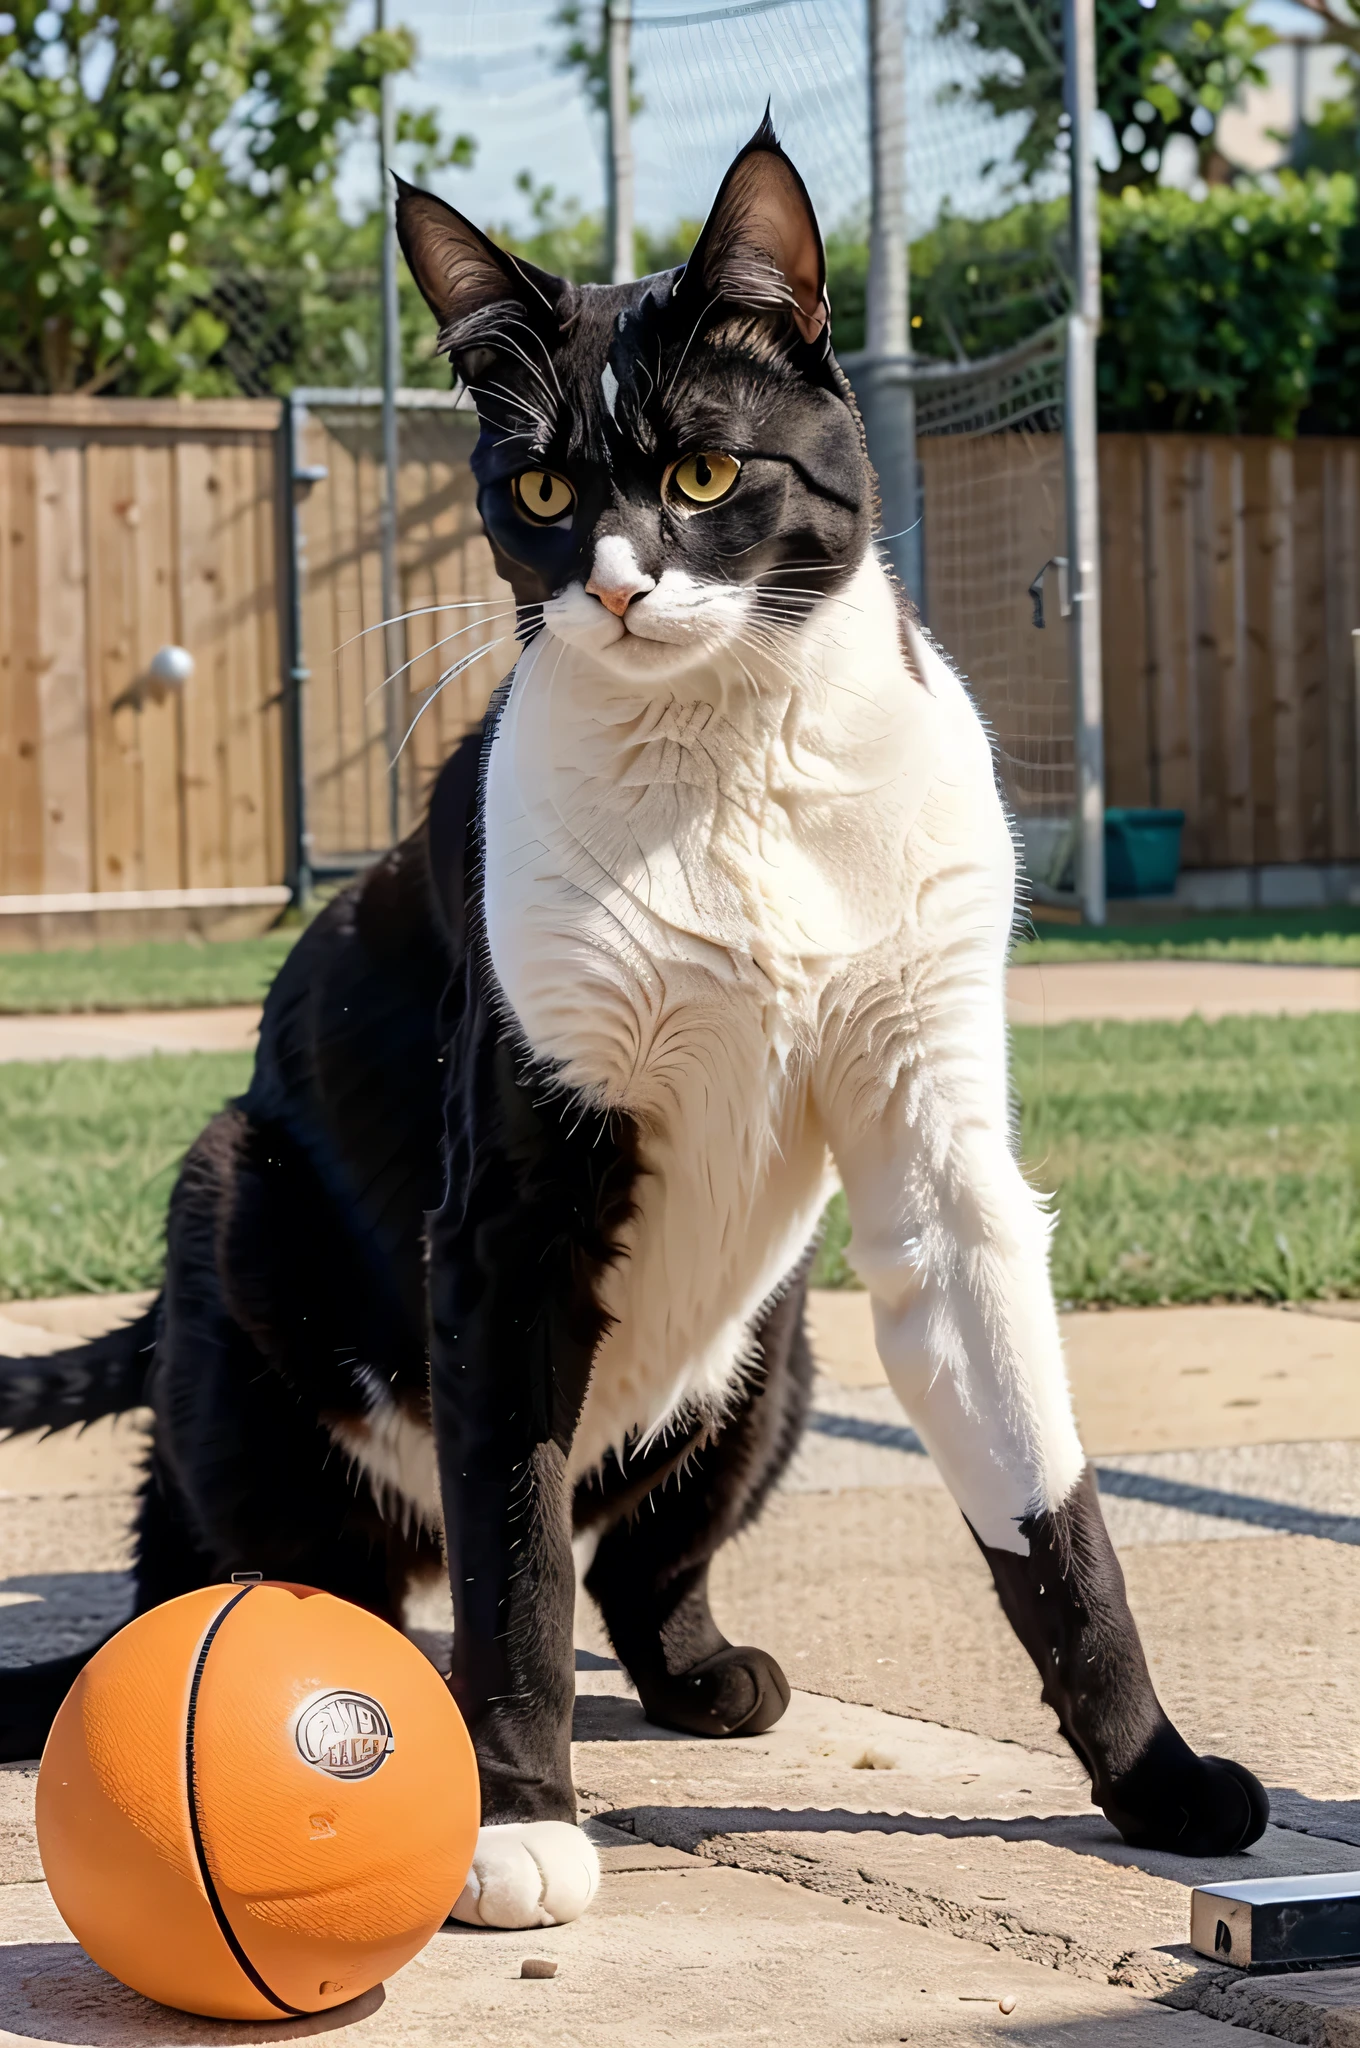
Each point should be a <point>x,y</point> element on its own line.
<point>1169,68</point>
<point>570,242</point>
<point>144,145</point>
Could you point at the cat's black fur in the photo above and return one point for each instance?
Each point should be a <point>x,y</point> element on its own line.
<point>405,1200</point>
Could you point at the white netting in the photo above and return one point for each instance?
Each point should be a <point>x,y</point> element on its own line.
<point>989,430</point>
<point>995,517</point>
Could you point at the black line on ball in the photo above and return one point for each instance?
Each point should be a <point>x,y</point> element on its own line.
<point>219,1911</point>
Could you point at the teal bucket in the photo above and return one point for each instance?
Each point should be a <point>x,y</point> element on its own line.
<point>1142,852</point>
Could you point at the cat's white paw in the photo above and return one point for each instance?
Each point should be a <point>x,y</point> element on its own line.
<point>530,1873</point>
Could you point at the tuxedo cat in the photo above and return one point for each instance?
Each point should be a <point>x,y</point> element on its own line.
<point>507,1239</point>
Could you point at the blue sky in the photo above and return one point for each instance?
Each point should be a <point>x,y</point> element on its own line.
<point>704,70</point>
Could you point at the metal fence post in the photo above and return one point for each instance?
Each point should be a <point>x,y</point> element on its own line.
<point>1082,461</point>
<point>393,636</point>
<point>618,17</point>
<point>883,385</point>
<point>294,478</point>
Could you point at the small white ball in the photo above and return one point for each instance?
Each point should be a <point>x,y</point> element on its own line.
<point>172,666</point>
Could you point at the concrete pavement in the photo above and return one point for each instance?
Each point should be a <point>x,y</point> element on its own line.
<point>1145,991</point>
<point>1132,990</point>
<point>913,1843</point>
<point>129,1034</point>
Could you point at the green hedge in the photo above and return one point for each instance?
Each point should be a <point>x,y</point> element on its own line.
<point>1215,309</point>
<point>1235,313</point>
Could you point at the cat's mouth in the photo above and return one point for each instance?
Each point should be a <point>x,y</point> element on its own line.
<point>680,623</point>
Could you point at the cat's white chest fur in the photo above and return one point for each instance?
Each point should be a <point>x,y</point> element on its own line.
<point>676,879</point>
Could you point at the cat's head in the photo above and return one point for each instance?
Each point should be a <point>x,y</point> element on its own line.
<point>669,466</point>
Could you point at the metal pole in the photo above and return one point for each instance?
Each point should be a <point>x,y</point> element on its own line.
<point>884,387</point>
<point>393,636</point>
<point>1081,461</point>
<point>295,479</point>
<point>618,17</point>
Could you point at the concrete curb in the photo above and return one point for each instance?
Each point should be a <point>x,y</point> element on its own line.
<point>1316,2008</point>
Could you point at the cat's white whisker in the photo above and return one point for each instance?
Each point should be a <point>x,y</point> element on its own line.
<point>425,611</point>
<point>496,619</point>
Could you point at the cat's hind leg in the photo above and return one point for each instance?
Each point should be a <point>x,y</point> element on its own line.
<point>665,1514</point>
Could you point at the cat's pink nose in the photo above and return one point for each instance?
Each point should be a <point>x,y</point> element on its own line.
<point>615,597</point>
<point>616,576</point>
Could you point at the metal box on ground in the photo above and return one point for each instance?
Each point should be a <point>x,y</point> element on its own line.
<point>1277,1923</point>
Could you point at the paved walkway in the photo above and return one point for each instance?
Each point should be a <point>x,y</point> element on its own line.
<point>129,1034</point>
<point>1153,1379</point>
<point>912,1846</point>
<point>1145,991</point>
<point>1134,990</point>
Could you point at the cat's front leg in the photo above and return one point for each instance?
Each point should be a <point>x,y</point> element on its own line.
<point>513,1584</point>
<point>953,1246</point>
<point>510,1354</point>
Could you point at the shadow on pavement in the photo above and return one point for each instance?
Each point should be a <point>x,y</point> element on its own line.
<point>688,1827</point>
<point>1336,1820</point>
<point>49,1614</point>
<point>51,1991</point>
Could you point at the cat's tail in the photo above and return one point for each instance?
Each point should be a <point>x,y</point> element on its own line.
<point>105,1377</point>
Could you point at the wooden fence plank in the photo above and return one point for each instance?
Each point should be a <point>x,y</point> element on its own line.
<point>320,697</point>
<point>1341,584</point>
<point>371,710</point>
<point>349,823</point>
<point>270,658</point>
<point>1171,492</point>
<point>1258,627</point>
<point>21,831</point>
<point>242,722</point>
<point>1283,648</point>
<point>1224,767</point>
<point>1309,639</point>
<point>157,623</point>
<point>205,853</point>
<point>12,586</point>
<point>114,734</point>
<point>1235,682</point>
<point>63,702</point>
<point>1123,614</point>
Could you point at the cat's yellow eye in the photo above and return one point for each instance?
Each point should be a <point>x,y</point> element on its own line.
<point>703,479</point>
<point>543,497</point>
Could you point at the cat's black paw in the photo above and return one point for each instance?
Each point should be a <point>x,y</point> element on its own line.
<point>1191,1805</point>
<point>738,1691</point>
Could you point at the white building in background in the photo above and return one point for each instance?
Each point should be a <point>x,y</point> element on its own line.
<point>1301,74</point>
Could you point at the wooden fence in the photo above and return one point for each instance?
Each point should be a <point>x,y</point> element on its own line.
<point>1231,587</point>
<point>127,525</point>
<point>355,715</point>
<point>995,512</point>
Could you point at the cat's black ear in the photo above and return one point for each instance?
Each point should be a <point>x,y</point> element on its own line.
<point>464,277</point>
<point>761,247</point>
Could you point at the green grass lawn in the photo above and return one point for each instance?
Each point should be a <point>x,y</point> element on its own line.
<point>1190,1161</point>
<point>1324,938</point>
<point>178,974</point>
<point>88,1151</point>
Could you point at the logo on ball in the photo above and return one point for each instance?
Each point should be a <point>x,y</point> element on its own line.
<point>345,1734</point>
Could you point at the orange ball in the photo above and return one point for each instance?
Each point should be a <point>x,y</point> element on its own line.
<point>256,1801</point>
